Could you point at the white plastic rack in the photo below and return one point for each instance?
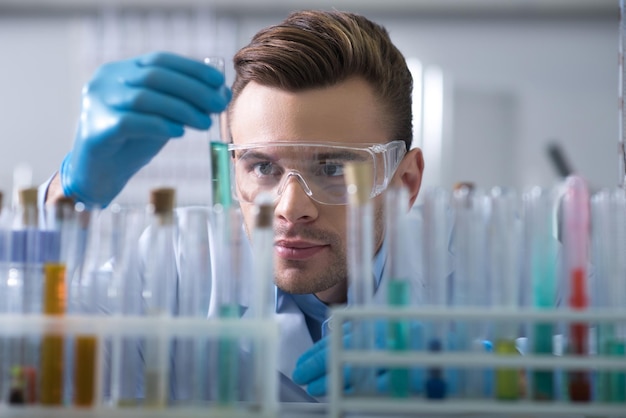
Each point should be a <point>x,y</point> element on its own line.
<point>261,333</point>
<point>342,404</point>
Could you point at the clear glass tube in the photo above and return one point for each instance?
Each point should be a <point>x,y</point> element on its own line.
<point>194,289</point>
<point>125,298</point>
<point>505,251</point>
<point>399,282</point>
<point>575,248</point>
<point>608,238</point>
<point>470,279</point>
<point>541,252</point>
<point>159,293</point>
<point>436,286</point>
<point>360,252</point>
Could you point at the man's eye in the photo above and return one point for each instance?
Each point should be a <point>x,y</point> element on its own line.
<point>331,169</point>
<point>263,169</point>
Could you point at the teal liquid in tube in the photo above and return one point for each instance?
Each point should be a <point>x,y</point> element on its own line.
<point>399,285</point>
<point>538,208</point>
<point>608,246</point>
<point>228,360</point>
<point>226,232</point>
<point>398,292</point>
<point>220,174</point>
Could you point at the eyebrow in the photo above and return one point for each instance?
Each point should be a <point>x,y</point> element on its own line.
<point>334,155</point>
<point>344,155</point>
<point>252,155</point>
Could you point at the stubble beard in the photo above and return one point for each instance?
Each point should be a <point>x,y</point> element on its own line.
<point>313,276</point>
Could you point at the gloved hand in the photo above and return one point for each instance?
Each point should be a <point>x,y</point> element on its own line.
<point>130,109</point>
<point>311,366</point>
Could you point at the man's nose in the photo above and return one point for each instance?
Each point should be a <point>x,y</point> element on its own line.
<point>294,204</point>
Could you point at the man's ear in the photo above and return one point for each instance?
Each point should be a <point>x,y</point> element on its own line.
<point>410,172</point>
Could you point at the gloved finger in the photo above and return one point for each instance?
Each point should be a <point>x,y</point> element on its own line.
<point>319,386</point>
<point>311,368</point>
<point>314,350</point>
<point>204,73</point>
<point>155,103</point>
<point>122,125</point>
<point>206,98</point>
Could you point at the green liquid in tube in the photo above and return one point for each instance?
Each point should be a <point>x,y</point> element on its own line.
<point>507,379</point>
<point>228,361</point>
<point>398,292</point>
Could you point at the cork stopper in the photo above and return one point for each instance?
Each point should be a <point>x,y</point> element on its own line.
<point>359,181</point>
<point>264,216</point>
<point>28,196</point>
<point>64,208</point>
<point>162,201</point>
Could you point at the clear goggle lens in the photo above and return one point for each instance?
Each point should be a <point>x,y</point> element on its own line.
<point>317,167</point>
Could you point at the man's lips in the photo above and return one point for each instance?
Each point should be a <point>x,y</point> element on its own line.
<point>297,249</point>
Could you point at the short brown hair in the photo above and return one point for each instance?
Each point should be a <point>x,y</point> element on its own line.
<point>315,49</point>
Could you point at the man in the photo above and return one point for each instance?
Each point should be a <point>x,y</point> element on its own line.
<point>316,80</point>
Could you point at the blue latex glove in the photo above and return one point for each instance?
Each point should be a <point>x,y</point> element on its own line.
<point>130,109</point>
<point>310,368</point>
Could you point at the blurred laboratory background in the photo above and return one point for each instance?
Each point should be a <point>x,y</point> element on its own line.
<point>499,84</point>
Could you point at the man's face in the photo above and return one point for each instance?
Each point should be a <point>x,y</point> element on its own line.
<point>310,237</point>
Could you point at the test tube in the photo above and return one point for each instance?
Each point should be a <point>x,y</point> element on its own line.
<point>541,249</point>
<point>399,283</point>
<point>5,257</point>
<point>219,137</point>
<point>52,346</point>
<point>15,389</point>
<point>264,291</point>
<point>159,291</point>
<point>33,278</point>
<point>88,288</point>
<point>228,246</point>
<point>125,297</point>
<point>194,289</point>
<point>608,210</point>
<point>471,212</point>
<point>505,251</point>
<point>360,241</point>
<point>436,286</point>
<point>263,253</point>
<point>228,235</point>
<point>575,246</point>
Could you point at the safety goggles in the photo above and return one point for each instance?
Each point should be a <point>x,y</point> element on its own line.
<point>317,167</point>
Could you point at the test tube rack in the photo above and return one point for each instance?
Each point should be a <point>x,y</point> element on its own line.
<point>342,404</point>
<point>114,328</point>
